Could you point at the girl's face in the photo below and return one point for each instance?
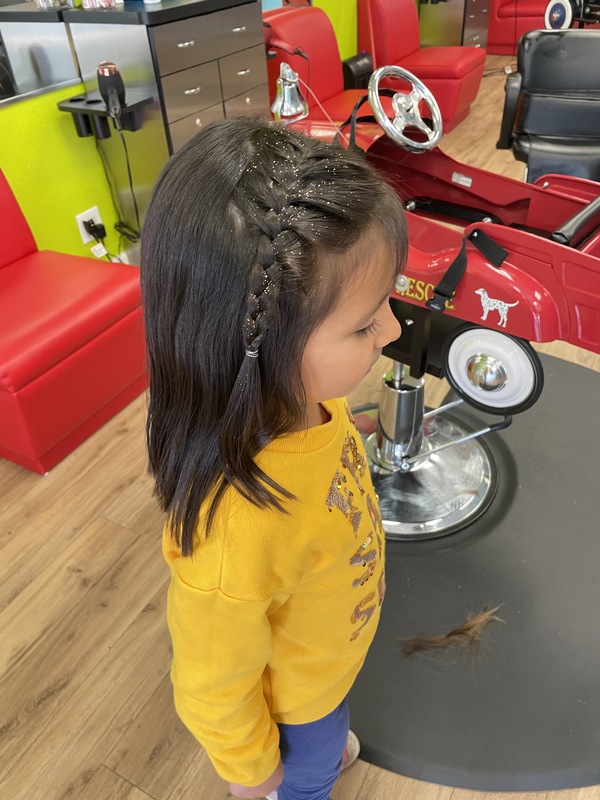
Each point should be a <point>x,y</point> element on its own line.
<point>342,350</point>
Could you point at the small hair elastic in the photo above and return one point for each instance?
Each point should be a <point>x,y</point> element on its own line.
<point>252,353</point>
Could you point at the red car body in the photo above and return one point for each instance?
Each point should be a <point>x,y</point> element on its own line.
<point>543,290</point>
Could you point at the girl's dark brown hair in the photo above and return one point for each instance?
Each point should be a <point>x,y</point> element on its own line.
<point>245,248</point>
<point>467,634</point>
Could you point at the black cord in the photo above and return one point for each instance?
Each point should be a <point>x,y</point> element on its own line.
<point>122,229</point>
<point>112,256</point>
<point>109,256</point>
<point>116,207</point>
<point>118,212</point>
<point>127,232</point>
<point>135,205</point>
<point>499,70</point>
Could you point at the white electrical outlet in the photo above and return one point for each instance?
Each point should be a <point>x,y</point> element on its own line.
<point>91,213</point>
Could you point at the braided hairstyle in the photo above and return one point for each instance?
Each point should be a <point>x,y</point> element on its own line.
<point>250,234</point>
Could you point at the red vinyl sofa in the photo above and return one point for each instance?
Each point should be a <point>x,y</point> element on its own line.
<point>509,20</point>
<point>72,350</point>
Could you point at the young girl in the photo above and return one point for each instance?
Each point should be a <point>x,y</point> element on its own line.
<point>267,262</point>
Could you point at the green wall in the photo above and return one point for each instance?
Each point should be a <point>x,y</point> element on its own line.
<point>53,173</point>
<point>344,18</point>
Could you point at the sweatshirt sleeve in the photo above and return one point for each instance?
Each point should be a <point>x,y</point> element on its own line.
<point>220,648</point>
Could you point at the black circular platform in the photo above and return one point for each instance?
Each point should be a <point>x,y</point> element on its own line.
<point>522,713</point>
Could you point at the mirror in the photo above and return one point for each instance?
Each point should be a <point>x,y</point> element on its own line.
<point>34,55</point>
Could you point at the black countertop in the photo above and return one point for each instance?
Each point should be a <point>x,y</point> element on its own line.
<point>131,12</point>
<point>29,12</point>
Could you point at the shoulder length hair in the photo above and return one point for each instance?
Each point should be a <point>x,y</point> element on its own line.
<point>244,250</point>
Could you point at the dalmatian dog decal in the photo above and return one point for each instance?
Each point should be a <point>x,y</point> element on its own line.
<point>491,304</point>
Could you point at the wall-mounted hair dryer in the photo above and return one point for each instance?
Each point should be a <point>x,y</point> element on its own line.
<point>112,89</point>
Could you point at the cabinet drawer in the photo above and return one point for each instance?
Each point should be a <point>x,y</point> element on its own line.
<point>243,71</point>
<point>476,17</point>
<point>478,39</point>
<point>191,90</point>
<point>185,128</point>
<point>481,38</point>
<point>254,102</point>
<point>188,42</point>
<point>471,30</point>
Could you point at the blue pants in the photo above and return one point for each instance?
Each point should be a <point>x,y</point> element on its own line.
<point>312,755</point>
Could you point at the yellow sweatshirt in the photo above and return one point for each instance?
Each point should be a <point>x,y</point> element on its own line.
<point>272,616</point>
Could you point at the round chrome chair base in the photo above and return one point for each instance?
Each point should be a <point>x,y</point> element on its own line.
<point>443,492</point>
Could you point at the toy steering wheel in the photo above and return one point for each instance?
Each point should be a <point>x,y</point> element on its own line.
<point>406,110</point>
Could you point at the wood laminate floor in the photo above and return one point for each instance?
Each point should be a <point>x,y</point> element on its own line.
<point>85,699</point>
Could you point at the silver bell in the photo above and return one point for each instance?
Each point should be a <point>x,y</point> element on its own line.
<point>289,104</point>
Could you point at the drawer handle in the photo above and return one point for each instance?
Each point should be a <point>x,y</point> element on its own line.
<point>239,30</point>
<point>191,43</point>
<point>242,72</point>
<point>195,90</point>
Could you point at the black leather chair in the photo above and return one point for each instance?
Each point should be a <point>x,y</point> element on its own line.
<point>551,117</point>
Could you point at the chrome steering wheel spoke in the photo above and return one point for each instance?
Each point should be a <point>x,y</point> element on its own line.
<point>407,113</point>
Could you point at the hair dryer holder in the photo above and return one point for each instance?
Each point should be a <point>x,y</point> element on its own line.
<point>91,116</point>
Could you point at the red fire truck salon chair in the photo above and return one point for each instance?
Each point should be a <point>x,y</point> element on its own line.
<point>72,350</point>
<point>551,118</point>
<point>509,20</point>
<point>309,31</point>
<point>389,30</point>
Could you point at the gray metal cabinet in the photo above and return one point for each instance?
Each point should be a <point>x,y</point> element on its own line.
<point>209,67</point>
<point>476,22</point>
<point>192,89</point>
<point>441,24</point>
<point>197,60</point>
<point>454,22</point>
<point>185,128</point>
<point>187,42</point>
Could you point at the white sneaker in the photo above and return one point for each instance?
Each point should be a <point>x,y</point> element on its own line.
<point>351,751</point>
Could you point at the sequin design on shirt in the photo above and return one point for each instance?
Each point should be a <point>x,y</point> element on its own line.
<point>354,473</point>
<point>366,558</point>
<point>350,416</point>
<point>353,461</point>
<point>340,496</point>
<point>362,613</point>
<point>377,522</point>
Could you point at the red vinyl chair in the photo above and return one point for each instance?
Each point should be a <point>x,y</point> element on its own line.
<point>509,20</point>
<point>310,30</point>
<point>389,30</point>
<point>72,350</point>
